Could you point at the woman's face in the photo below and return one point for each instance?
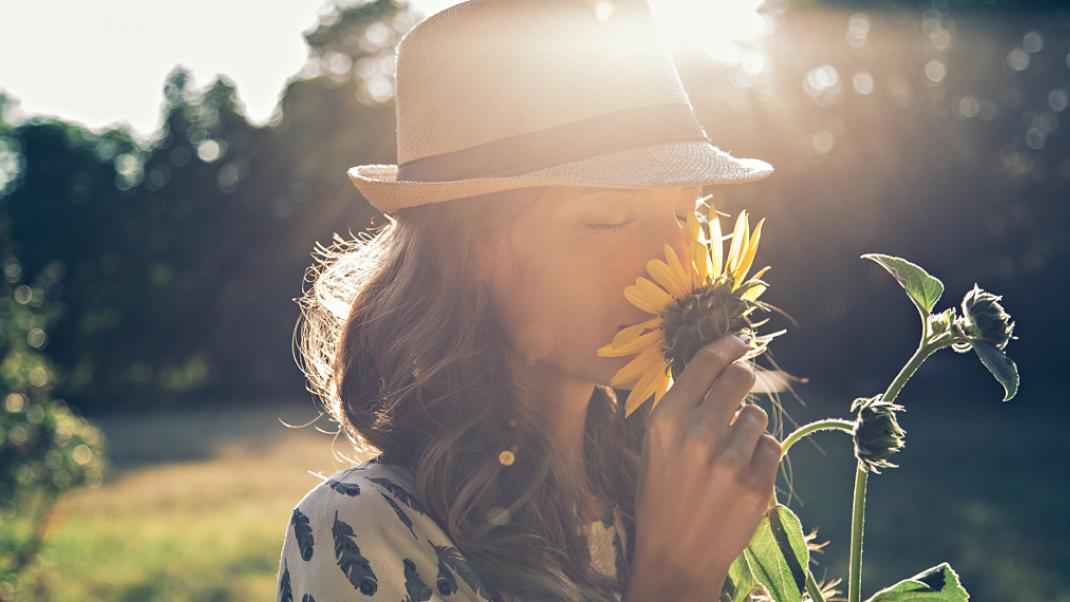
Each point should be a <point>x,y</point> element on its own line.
<point>557,273</point>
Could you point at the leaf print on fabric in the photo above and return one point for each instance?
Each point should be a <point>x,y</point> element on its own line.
<point>415,587</point>
<point>404,518</point>
<point>307,598</point>
<point>445,582</point>
<point>286,593</point>
<point>362,467</point>
<point>453,558</point>
<point>350,489</point>
<point>303,533</point>
<point>347,554</point>
<point>607,520</point>
<point>399,492</point>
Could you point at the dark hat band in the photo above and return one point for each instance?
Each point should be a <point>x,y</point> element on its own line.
<point>599,135</point>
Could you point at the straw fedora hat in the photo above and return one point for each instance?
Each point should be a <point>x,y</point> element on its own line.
<point>493,95</point>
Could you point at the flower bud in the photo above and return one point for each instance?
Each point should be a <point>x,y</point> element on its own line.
<point>985,319</point>
<point>960,342</point>
<point>941,322</point>
<point>877,434</point>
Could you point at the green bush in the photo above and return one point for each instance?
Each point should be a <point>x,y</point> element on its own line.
<point>45,449</point>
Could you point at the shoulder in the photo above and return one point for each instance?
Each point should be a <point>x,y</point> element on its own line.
<point>362,531</point>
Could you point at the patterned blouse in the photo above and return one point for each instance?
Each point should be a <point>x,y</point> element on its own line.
<point>362,534</point>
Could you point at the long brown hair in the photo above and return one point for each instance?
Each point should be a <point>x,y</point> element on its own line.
<point>402,347</point>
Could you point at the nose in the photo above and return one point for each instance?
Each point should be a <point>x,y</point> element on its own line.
<point>671,230</point>
<point>677,235</point>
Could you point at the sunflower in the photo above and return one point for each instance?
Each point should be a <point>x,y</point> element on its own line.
<point>694,300</point>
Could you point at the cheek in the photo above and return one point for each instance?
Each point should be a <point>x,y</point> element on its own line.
<point>564,307</point>
<point>561,304</point>
<point>565,311</point>
<point>587,302</point>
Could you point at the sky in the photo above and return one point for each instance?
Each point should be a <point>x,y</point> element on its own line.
<point>104,63</point>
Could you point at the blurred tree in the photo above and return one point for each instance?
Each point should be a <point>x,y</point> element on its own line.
<point>45,449</point>
<point>184,254</point>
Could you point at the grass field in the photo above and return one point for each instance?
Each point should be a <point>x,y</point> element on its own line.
<point>199,501</point>
<point>196,509</point>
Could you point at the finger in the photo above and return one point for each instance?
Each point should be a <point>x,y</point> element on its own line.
<point>700,373</point>
<point>766,460</point>
<point>732,386</point>
<point>744,434</point>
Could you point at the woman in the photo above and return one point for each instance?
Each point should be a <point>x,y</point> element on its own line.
<point>456,345</point>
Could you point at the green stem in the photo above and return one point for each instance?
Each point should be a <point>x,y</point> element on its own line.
<point>909,369</point>
<point>858,507</point>
<point>827,424</point>
<point>858,510</point>
<point>811,586</point>
<point>797,435</point>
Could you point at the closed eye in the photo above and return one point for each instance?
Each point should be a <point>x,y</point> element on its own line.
<point>617,227</point>
<point>614,227</point>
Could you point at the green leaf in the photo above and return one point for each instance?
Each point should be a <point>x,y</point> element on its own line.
<point>937,584</point>
<point>922,288</point>
<point>778,555</point>
<point>740,582</point>
<point>1001,366</point>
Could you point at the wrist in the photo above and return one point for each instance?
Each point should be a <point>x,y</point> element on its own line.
<point>652,581</point>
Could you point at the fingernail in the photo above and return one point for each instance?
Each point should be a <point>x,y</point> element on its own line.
<point>745,338</point>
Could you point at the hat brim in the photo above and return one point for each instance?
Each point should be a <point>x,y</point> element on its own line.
<point>670,164</point>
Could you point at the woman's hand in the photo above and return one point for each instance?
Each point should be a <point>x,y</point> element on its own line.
<point>705,479</point>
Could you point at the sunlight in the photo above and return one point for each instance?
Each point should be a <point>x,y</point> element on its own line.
<point>718,28</point>
<point>722,30</point>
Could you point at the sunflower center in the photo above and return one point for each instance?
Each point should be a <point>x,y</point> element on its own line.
<point>701,317</point>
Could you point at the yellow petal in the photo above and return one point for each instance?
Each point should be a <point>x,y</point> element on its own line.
<point>664,385</point>
<point>746,231</point>
<point>716,244</point>
<point>682,273</point>
<point>666,277</point>
<point>640,298</point>
<point>641,391</point>
<point>653,292</point>
<point>705,265</point>
<point>696,251</point>
<point>629,333</point>
<point>758,275</point>
<point>635,345</point>
<point>694,229</point>
<point>752,249</point>
<point>754,292</point>
<point>739,239</point>
<point>637,367</point>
